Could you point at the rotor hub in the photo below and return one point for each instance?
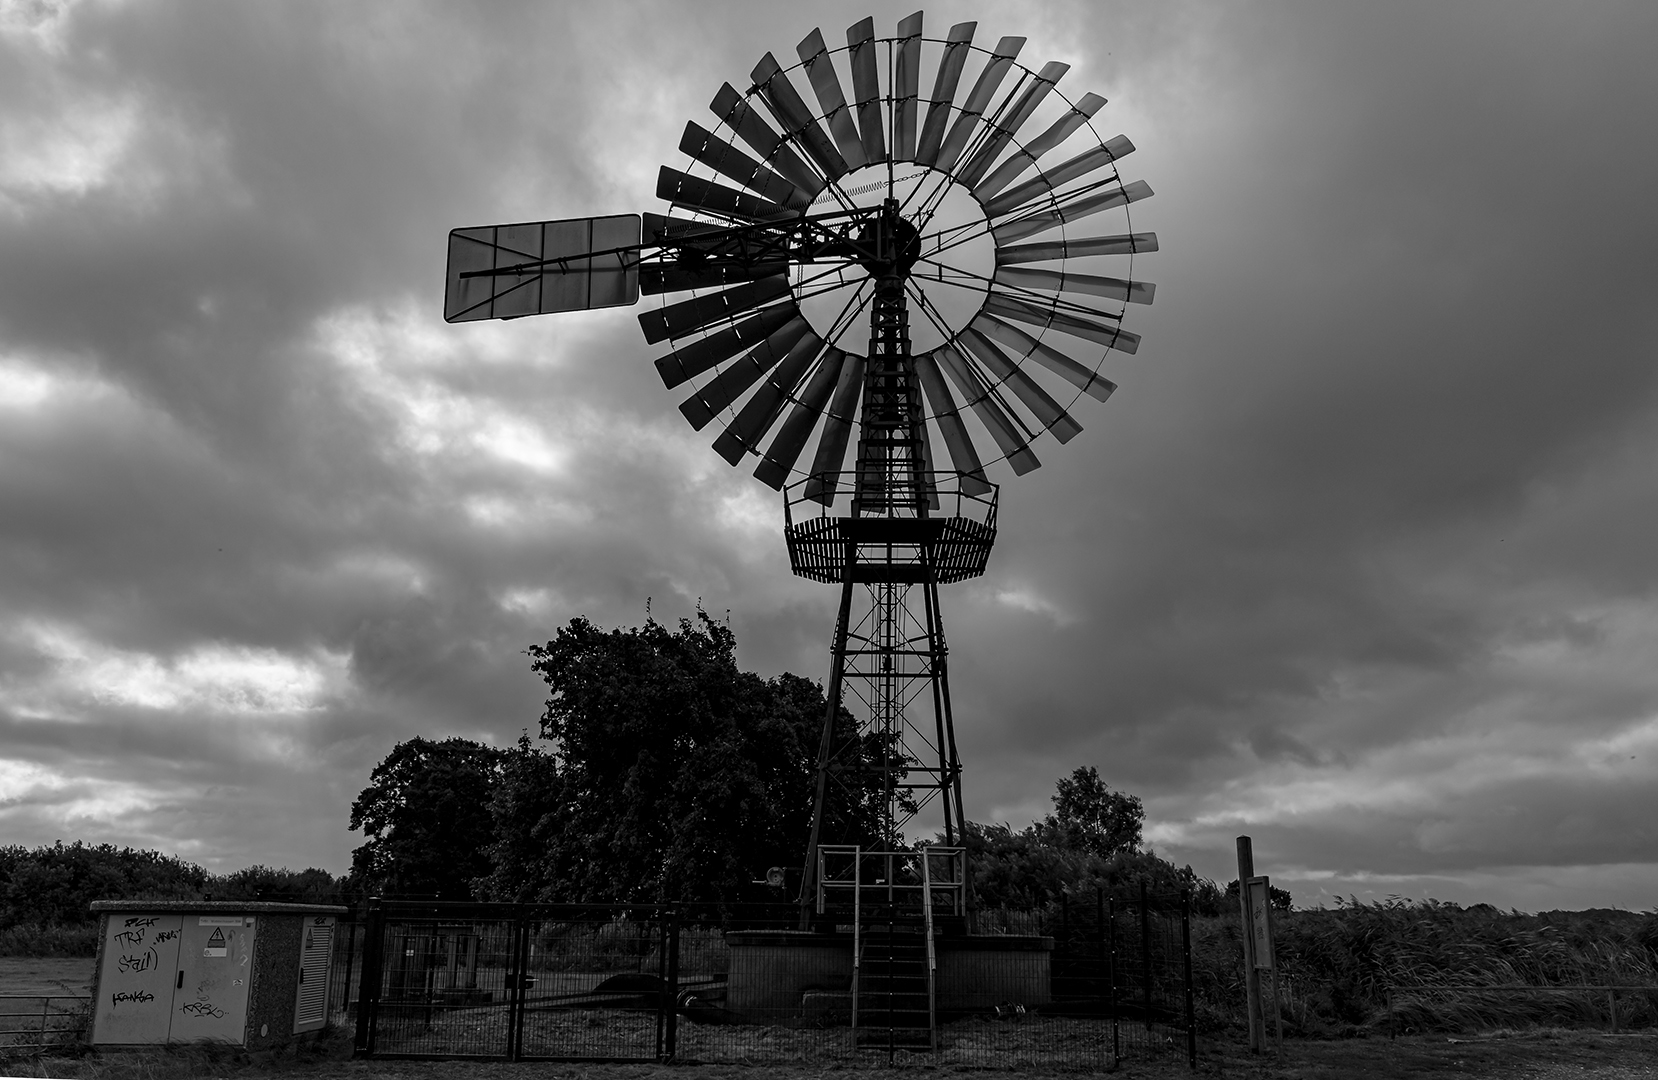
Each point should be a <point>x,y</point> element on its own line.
<point>892,246</point>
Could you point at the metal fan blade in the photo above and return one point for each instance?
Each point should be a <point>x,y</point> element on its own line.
<point>837,432</point>
<point>927,481</point>
<point>957,47</point>
<point>1048,412</point>
<point>750,127</point>
<point>785,448</point>
<point>907,83</point>
<point>1090,383</point>
<point>675,320</point>
<point>1133,292</point>
<point>1041,185</point>
<point>1101,331</point>
<point>1024,157</point>
<point>963,457</point>
<point>995,70</point>
<point>820,71</point>
<point>796,118</point>
<point>687,190</point>
<point>763,408</point>
<point>696,357</point>
<point>551,266</point>
<point>723,158</point>
<point>866,88</point>
<point>1007,125</point>
<point>1126,244</point>
<point>730,384</point>
<point>1009,439</point>
<point>670,277</point>
<point>1072,208</point>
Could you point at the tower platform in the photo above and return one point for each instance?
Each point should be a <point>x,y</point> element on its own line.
<point>925,545</point>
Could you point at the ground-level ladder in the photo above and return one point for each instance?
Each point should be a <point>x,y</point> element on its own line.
<point>895,964</point>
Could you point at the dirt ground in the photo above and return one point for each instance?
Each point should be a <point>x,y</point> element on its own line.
<point>1531,1055</point>
<point>1545,1055</point>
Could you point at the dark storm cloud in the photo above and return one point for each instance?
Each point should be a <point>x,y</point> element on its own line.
<point>1358,560</point>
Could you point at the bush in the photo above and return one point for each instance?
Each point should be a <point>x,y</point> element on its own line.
<point>1341,969</point>
<point>30,939</point>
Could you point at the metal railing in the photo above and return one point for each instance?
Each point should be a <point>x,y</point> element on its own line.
<point>905,875</point>
<point>950,494</point>
<point>42,1021</point>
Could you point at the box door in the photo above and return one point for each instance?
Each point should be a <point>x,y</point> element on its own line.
<point>316,960</point>
<point>215,967</point>
<point>135,983</point>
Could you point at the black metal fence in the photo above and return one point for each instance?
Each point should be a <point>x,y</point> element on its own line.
<point>1099,978</point>
<point>31,1023</point>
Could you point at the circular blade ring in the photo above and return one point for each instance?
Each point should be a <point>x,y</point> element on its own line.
<point>1014,339</point>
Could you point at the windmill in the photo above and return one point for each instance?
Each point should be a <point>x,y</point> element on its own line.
<point>917,278</point>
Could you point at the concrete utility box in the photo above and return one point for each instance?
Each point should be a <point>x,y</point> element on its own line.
<point>247,973</point>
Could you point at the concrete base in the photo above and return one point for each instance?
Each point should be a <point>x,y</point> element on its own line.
<point>784,973</point>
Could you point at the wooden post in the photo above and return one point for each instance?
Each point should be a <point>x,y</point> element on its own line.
<point>1612,1008</point>
<point>1265,900</point>
<point>1252,978</point>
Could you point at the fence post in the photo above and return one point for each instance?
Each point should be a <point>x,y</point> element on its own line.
<point>1103,956</point>
<point>1612,1007</point>
<point>368,993</point>
<point>519,966</point>
<point>350,955</point>
<point>670,993</point>
<point>1246,923</point>
<point>1186,960</point>
<point>1145,949</point>
<point>1111,974</point>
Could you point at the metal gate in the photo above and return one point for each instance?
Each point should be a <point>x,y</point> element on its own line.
<point>621,983</point>
<point>517,983</point>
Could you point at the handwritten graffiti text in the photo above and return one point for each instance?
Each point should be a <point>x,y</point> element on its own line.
<point>144,961</point>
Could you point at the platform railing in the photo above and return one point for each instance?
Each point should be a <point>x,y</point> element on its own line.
<point>909,878</point>
<point>951,494</point>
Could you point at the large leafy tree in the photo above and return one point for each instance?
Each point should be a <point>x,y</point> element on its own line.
<point>671,774</point>
<point>1091,841</point>
<point>1088,816</point>
<point>426,814</point>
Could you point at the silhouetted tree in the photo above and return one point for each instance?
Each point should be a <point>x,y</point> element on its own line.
<point>426,814</point>
<point>258,882</point>
<point>1089,816</point>
<point>672,774</point>
<point>1091,841</point>
<point>1281,898</point>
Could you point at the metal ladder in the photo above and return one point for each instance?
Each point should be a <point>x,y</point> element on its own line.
<point>894,957</point>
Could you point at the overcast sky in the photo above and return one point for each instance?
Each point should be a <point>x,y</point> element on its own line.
<point>1360,560</point>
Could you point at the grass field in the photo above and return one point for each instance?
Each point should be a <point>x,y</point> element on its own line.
<point>46,975</point>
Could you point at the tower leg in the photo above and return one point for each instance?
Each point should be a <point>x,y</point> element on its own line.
<point>826,751</point>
